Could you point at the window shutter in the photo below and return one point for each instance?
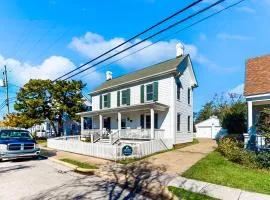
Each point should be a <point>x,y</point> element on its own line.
<point>118,98</point>
<point>142,93</point>
<point>100,101</point>
<point>128,96</point>
<point>142,121</point>
<point>155,93</point>
<point>156,121</point>
<point>109,100</point>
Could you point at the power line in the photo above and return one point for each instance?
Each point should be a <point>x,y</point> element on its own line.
<point>149,37</point>
<point>168,36</point>
<point>37,42</point>
<point>136,36</point>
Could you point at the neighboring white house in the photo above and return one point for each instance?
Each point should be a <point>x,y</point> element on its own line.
<point>151,103</point>
<point>209,128</point>
<point>257,91</point>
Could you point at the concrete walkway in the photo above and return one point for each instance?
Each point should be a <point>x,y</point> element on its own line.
<point>180,160</point>
<point>217,191</point>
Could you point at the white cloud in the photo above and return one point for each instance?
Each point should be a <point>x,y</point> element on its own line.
<point>92,45</point>
<point>239,89</point>
<point>227,36</point>
<point>50,68</point>
<point>246,9</point>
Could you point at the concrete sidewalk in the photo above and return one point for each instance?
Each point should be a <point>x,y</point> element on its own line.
<point>179,160</point>
<point>216,191</point>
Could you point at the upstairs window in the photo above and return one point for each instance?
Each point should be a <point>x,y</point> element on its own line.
<point>105,101</point>
<point>178,91</point>
<point>149,92</point>
<point>124,97</point>
<point>189,93</point>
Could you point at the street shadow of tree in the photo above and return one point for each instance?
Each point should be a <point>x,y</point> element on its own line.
<point>139,178</point>
<point>12,168</point>
<point>138,181</point>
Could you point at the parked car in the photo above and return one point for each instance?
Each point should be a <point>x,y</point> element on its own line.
<point>16,143</point>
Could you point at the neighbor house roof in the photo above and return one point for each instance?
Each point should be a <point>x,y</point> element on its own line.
<point>151,71</point>
<point>257,76</point>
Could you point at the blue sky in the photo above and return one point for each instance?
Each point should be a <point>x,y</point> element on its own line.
<point>48,38</point>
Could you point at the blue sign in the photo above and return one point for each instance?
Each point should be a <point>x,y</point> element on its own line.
<point>127,150</point>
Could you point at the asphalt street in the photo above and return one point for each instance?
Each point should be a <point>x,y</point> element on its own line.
<point>43,179</point>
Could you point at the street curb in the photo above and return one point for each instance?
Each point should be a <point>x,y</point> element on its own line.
<point>74,167</point>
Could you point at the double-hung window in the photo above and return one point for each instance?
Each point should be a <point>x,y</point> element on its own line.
<point>189,128</point>
<point>189,94</point>
<point>178,92</point>
<point>124,97</point>
<point>178,122</point>
<point>105,101</point>
<point>149,92</point>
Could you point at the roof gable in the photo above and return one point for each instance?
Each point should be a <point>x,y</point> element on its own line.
<point>162,68</point>
<point>257,76</point>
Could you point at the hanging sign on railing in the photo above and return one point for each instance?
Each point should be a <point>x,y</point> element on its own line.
<point>127,150</point>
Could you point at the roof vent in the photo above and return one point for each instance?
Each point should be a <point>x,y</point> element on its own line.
<point>108,75</point>
<point>179,49</point>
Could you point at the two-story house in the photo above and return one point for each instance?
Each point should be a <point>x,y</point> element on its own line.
<point>154,102</point>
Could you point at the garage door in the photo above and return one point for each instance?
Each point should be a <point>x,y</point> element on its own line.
<point>204,132</point>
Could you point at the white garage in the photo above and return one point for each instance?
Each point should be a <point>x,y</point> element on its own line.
<point>209,128</point>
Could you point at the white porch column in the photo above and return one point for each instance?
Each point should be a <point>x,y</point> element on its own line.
<point>100,122</point>
<point>82,124</point>
<point>119,117</point>
<point>250,115</point>
<point>152,123</point>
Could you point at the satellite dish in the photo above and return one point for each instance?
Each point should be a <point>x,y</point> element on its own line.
<point>2,84</point>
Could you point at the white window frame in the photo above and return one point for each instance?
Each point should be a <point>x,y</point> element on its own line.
<point>103,100</point>
<point>145,95</point>
<point>121,96</point>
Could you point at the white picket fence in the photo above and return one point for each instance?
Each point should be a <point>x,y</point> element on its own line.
<point>108,151</point>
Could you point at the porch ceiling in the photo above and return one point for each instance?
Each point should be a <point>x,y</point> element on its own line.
<point>258,103</point>
<point>123,109</point>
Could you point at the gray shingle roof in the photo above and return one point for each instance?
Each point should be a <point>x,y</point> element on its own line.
<point>152,70</point>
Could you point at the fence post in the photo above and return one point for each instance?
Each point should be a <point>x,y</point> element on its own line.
<point>92,138</point>
<point>246,139</point>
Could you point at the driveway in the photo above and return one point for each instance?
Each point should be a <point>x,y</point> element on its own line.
<point>43,179</point>
<point>182,159</point>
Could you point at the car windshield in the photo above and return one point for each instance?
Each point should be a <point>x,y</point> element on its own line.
<point>18,134</point>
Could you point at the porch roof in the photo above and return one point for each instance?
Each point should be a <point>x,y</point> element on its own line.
<point>136,107</point>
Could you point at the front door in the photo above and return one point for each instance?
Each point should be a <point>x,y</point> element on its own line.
<point>107,123</point>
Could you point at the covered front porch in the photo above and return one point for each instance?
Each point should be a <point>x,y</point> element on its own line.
<point>253,139</point>
<point>137,122</point>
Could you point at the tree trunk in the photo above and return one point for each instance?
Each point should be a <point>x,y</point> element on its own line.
<point>54,128</point>
<point>60,126</point>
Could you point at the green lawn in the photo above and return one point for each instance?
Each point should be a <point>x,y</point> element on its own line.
<point>216,169</point>
<point>83,165</point>
<point>187,195</point>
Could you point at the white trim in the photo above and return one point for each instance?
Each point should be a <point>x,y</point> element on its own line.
<point>257,95</point>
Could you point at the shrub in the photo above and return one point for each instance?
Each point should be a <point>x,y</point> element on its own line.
<point>233,150</point>
<point>263,159</point>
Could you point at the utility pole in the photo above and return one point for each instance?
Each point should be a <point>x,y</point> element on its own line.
<point>6,85</point>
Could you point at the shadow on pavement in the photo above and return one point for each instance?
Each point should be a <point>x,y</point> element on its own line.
<point>140,181</point>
